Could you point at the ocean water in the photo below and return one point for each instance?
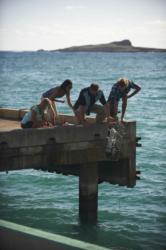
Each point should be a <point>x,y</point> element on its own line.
<point>127,218</point>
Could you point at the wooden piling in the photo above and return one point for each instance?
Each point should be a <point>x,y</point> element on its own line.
<point>88,193</point>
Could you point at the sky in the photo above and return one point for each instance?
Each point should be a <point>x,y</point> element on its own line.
<point>53,24</point>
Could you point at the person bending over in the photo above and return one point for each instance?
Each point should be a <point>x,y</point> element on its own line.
<point>86,103</point>
<point>58,92</point>
<point>120,90</point>
<point>35,118</point>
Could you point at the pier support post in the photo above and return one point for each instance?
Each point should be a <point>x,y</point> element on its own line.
<point>88,193</point>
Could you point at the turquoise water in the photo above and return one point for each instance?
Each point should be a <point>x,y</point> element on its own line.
<point>128,218</point>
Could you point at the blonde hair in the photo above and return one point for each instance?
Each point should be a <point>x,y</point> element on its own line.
<point>124,80</point>
<point>46,102</point>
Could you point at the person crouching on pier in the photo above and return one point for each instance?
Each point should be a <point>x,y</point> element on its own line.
<point>119,91</point>
<point>86,104</point>
<point>36,117</point>
<point>58,92</point>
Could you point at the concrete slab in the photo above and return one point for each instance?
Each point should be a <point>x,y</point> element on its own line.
<point>7,125</point>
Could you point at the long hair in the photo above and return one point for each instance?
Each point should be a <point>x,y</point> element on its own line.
<point>65,84</point>
<point>45,103</point>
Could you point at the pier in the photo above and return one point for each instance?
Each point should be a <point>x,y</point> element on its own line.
<point>97,153</point>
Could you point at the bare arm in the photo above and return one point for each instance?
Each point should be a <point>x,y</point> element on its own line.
<point>137,89</point>
<point>68,100</point>
<point>124,105</point>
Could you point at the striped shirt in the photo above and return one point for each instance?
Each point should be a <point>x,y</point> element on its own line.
<point>117,92</point>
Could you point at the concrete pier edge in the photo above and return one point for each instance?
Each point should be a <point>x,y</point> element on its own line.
<point>40,234</point>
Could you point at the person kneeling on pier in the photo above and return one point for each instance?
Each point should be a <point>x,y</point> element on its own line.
<point>86,104</point>
<point>36,118</point>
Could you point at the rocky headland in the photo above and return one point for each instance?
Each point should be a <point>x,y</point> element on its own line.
<point>118,46</point>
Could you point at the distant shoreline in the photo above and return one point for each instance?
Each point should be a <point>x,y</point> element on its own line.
<point>119,46</point>
<point>124,46</point>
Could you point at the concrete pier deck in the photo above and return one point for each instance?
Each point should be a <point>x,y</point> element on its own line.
<point>71,150</point>
<point>6,124</point>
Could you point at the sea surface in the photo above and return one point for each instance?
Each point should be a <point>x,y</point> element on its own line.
<point>127,218</point>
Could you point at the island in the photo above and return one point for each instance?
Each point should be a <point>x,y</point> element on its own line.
<point>118,46</point>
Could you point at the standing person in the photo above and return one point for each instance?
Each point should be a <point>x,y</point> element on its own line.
<point>119,91</point>
<point>86,104</point>
<point>35,118</point>
<point>58,92</point>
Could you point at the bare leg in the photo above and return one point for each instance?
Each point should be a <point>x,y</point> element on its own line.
<point>100,113</point>
<point>113,109</point>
